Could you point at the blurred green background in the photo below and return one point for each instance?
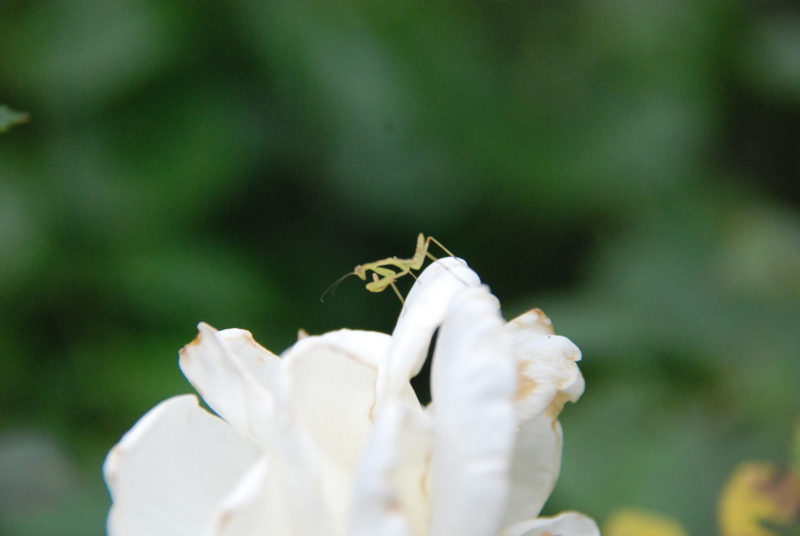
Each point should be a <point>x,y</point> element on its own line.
<point>632,167</point>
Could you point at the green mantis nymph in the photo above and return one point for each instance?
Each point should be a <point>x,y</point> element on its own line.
<point>382,276</point>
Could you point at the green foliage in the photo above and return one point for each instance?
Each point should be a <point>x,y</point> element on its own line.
<point>629,167</point>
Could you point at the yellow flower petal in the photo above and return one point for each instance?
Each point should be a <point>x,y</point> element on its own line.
<point>638,523</point>
<point>756,494</point>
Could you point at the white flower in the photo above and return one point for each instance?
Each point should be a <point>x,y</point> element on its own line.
<point>330,440</point>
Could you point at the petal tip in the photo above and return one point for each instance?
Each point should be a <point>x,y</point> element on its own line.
<point>203,329</point>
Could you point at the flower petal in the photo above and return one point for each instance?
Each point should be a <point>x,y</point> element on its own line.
<point>757,494</point>
<point>472,382</point>
<point>262,365</point>
<point>330,391</point>
<point>390,496</point>
<point>422,314</point>
<point>302,475</point>
<point>172,469</point>
<point>258,501</point>
<point>630,522</point>
<point>548,377</point>
<point>566,524</point>
<point>229,387</point>
<point>368,347</point>
<point>535,467</point>
<point>330,395</point>
<point>534,322</point>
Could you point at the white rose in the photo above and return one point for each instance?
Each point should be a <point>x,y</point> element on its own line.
<point>330,439</point>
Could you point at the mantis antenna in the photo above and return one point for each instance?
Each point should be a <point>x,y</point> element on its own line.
<point>383,276</point>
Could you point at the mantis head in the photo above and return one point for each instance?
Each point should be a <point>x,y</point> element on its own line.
<point>360,272</point>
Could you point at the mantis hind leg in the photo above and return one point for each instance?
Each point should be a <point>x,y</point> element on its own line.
<point>434,259</point>
<point>432,239</point>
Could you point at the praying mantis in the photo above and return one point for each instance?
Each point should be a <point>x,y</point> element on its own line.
<point>382,276</point>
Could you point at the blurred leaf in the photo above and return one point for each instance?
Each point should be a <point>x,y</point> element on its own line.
<point>41,492</point>
<point>772,55</point>
<point>184,285</point>
<point>81,514</point>
<point>144,372</point>
<point>76,55</point>
<point>760,254</point>
<point>9,118</point>
<point>23,240</point>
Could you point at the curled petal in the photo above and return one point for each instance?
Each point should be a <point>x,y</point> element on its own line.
<point>566,524</point>
<point>546,365</point>
<point>472,382</point>
<point>548,377</point>
<point>227,385</point>
<point>422,314</point>
<point>172,469</point>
